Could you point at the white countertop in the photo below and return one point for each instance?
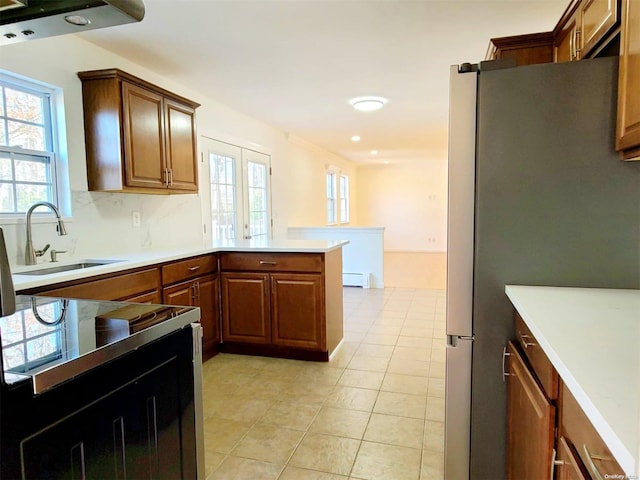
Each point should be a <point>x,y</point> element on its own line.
<point>128,261</point>
<point>592,338</point>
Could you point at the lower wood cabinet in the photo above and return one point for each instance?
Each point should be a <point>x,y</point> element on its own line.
<point>282,304</point>
<point>200,292</point>
<point>549,436</point>
<point>283,309</point>
<point>531,422</point>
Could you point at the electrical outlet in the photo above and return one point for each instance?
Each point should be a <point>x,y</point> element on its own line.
<point>135,218</point>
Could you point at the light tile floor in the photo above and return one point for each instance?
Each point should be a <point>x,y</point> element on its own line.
<point>375,411</point>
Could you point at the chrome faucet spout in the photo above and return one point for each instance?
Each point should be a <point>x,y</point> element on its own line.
<point>30,253</point>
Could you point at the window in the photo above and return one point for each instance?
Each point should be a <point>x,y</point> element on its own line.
<point>344,199</point>
<point>331,198</point>
<point>27,145</point>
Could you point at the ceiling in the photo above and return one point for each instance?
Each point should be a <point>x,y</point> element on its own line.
<point>295,64</point>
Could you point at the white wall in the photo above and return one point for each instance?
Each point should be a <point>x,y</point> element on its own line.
<point>307,171</point>
<point>408,198</point>
<point>101,222</point>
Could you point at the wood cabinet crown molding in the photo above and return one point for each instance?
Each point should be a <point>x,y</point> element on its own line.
<point>121,74</point>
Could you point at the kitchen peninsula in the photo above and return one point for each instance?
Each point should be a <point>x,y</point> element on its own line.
<point>276,298</point>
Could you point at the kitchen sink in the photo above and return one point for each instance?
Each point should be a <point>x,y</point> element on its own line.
<point>67,268</point>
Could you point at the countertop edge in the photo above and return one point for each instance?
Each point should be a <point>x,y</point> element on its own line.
<point>147,259</point>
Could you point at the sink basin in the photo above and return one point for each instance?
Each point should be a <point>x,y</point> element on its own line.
<point>65,268</point>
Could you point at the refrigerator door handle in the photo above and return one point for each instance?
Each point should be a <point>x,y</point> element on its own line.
<point>452,340</point>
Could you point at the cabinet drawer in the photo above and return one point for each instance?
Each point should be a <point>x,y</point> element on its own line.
<point>542,367</point>
<point>578,430</point>
<point>189,268</point>
<point>272,262</point>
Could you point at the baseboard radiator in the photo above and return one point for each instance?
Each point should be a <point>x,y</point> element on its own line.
<point>355,280</point>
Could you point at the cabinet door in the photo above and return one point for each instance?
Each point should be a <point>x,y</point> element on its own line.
<point>180,294</point>
<point>597,17</point>
<point>531,423</point>
<point>568,466</point>
<point>207,291</point>
<point>246,308</point>
<point>181,146</point>
<point>144,148</point>
<point>297,310</point>
<point>628,138</point>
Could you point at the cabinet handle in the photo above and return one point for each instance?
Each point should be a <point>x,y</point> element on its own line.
<point>592,466</point>
<point>166,177</point>
<point>78,464</point>
<point>554,462</point>
<point>119,447</point>
<point>193,293</point>
<point>524,342</point>
<point>505,354</point>
<point>197,286</point>
<point>171,177</point>
<point>265,262</point>
<point>572,54</point>
<point>577,46</point>
<point>193,269</point>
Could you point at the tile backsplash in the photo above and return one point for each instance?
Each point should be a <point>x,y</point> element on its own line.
<point>101,224</point>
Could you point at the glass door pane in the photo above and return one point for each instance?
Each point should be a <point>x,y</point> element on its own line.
<point>257,220</point>
<point>225,180</point>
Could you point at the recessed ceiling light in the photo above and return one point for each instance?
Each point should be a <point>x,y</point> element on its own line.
<point>355,138</point>
<point>368,104</point>
<point>374,152</point>
<point>386,162</point>
<point>77,20</point>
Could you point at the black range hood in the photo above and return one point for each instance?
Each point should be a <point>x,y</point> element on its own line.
<point>30,19</point>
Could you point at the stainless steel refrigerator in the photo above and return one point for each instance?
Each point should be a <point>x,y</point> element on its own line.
<point>537,196</point>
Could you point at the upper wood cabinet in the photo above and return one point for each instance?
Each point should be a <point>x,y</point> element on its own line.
<point>139,137</point>
<point>584,27</point>
<point>524,49</point>
<point>628,131</point>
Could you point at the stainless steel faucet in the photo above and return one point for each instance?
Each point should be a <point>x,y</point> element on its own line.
<point>30,253</point>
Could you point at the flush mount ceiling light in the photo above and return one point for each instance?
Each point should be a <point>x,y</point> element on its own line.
<point>77,20</point>
<point>367,104</point>
<point>355,138</point>
<point>374,152</point>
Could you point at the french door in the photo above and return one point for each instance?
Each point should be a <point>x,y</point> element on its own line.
<point>239,205</point>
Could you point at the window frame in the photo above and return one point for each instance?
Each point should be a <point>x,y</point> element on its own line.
<point>53,123</point>
<point>331,188</point>
<point>343,199</point>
